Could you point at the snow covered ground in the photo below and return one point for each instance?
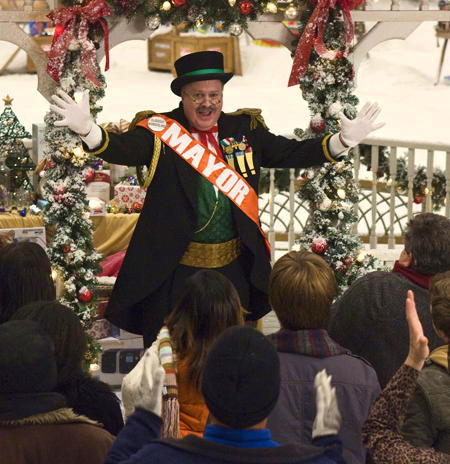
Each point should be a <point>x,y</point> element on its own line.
<point>398,74</point>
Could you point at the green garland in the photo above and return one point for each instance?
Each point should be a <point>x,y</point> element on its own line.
<point>438,182</point>
<point>231,14</point>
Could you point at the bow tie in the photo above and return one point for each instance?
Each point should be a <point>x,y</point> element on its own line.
<point>208,136</point>
<point>208,131</point>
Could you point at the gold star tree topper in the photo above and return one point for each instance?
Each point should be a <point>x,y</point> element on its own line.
<point>8,100</point>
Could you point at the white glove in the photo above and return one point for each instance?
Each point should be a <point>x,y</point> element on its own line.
<point>77,116</point>
<point>142,386</point>
<point>328,417</point>
<point>354,131</point>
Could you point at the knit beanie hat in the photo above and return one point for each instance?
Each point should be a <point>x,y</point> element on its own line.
<point>27,358</point>
<point>241,377</point>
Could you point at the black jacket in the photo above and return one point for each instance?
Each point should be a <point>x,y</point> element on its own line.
<point>166,224</point>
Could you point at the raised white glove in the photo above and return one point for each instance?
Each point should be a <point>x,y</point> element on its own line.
<point>328,417</point>
<point>142,386</point>
<point>354,131</point>
<point>77,116</point>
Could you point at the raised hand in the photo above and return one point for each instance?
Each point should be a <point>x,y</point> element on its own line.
<point>418,343</point>
<point>328,417</point>
<point>354,131</point>
<point>77,116</point>
<point>142,386</point>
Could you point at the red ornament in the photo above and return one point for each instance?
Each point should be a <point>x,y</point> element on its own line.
<point>418,199</point>
<point>348,262</point>
<point>137,206</point>
<point>246,7</point>
<point>66,248</point>
<point>319,245</point>
<point>179,2</point>
<point>85,295</point>
<point>317,124</point>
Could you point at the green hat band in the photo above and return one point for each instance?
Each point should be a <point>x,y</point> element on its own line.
<point>203,71</point>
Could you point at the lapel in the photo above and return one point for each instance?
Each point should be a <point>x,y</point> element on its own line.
<point>187,175</point>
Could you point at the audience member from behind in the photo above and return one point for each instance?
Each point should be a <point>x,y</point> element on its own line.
<point>427,420</point>
<point>35,425</point>
<point>240,384</point>
<point>84,394</point>
<point>208,305</point>
<point>25,276</point>
<point>302,287</point>
<point>368,318</point>
<point>381,432</point>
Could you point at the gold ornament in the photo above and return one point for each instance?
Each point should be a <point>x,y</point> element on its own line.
<point>271,8</point>
<point>8,100</point>
<point>67,155</point>
<point>291,13</point>
<point>361,255</point>
<point>166,6</point>
<point>231,2</point>
<point>341,193</point>
<point>9,122</point>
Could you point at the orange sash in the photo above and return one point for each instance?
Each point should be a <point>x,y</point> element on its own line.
<point>206,163</point>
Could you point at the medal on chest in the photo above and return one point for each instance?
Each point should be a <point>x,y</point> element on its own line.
<point>238,154</point>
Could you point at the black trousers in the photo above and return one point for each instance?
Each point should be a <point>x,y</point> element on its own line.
<point>158,305</point>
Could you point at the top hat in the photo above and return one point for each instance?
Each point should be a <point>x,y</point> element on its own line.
<point>199,66</point>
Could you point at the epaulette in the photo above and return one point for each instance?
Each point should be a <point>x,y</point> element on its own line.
<point>140,116</point>
<point>146,180</point>
<point>255,116</point>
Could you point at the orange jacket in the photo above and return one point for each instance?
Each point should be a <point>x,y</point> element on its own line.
<point>193,410</point>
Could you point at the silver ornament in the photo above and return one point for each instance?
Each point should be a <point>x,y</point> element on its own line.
<point>235,29</point>
<point>291,13</point>
<point>193,13</point>
<point>153,22</point>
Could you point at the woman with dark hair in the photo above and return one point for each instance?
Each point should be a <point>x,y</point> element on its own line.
<point>25,276</point>
<point>208,305</point>
<point>84,394</point>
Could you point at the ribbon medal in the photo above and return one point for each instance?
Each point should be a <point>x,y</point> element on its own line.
<point>240,151</point>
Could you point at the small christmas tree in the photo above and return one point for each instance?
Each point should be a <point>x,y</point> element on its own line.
<point>15,157</point>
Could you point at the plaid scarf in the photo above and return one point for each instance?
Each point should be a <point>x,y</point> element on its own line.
<point>170,406</point>
<point>309,342</point>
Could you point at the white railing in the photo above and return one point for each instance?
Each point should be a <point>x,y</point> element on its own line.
<point>382,210</point>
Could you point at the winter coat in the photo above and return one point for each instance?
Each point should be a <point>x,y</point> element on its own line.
<point>94,399</point>
<point>427,420</point>
<point>55,437</point>
<point>168,219</point>
<point>356,386</point>
<point>369,319</point>
<point>381,434</point>
<point>136,444</point>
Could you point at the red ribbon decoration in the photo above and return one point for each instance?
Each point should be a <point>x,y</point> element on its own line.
<point>67,18</point>
<point>313,36</point>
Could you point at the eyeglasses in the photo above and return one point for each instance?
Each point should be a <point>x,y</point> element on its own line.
<point>199,97</point>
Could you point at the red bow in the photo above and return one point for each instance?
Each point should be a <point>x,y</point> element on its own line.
<point>313,36</point>
<point>67,18</point>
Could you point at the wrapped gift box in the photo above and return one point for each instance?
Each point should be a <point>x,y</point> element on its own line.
<point>127,195</point>
<point>101,328</point>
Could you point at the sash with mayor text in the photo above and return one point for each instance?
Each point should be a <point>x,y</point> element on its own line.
<point>206,163</point>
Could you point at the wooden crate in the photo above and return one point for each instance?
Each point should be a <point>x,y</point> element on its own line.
<point>165,49</point>
<point>44,41</point>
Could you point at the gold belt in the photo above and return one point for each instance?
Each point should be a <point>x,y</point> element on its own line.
<point>211,255</point>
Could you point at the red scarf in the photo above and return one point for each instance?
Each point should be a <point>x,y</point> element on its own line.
<point>422,280</point>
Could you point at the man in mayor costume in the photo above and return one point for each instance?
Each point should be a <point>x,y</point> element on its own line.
<point>201,208</point>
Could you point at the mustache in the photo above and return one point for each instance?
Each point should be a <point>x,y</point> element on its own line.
<point>206,108</point>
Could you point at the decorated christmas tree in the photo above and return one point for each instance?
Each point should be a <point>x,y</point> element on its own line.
<point>326,82</point>
<point>15,161</point>
<point>72,251</point>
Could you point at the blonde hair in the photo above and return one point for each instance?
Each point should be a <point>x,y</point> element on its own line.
<point>302,287</point>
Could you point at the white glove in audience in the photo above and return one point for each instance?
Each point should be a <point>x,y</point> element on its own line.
<point>328,417</point>
<point>354,131</point>
<point>142,387</point>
